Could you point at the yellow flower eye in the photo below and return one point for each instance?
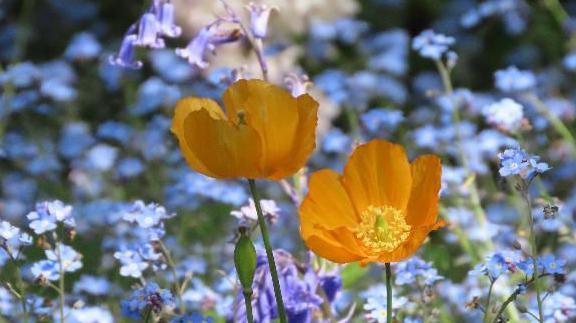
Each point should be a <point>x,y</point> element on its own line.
<point>380,209</point>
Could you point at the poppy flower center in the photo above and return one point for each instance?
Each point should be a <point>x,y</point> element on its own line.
<point>382,228</point>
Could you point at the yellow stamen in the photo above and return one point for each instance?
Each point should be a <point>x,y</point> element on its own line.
<point>382,229</point>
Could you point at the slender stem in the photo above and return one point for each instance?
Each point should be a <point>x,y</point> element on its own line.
<point>248,303</point>
<point>487,305</point>
<point>19,281</point>
<point>172,266</point>
<point>61,282</point>
<point>388,293</point>
<point>556,122</point>
<point>505,304</point>
<point>513,297</point>
<point>269,252</point>
<point>534,248</point>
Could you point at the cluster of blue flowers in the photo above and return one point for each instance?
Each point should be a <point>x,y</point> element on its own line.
<point>101,220</point>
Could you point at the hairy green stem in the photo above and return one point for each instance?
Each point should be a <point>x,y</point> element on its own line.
<point>248,303</point>
<point>388,292</point>
<point>61,282</point>
<point>172,266</point>
<point>534,248</point>
<point>487,305</point>
<point>269,252</point>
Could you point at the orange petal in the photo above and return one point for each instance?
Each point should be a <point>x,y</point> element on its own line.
<point>423,204</point>
<point>227,151</point>
<point>275,115</point>
<point>304,140</point>
<point>412,244</point>
<point>378,173</point>
<point>325,245</point>
<point>327,204</point>
<point>183,108</point>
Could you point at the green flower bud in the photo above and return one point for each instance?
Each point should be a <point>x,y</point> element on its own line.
<point>245,261</point>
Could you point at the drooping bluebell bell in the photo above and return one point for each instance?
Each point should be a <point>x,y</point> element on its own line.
<point>165,17</point>
<point>259,16</point>
<point>149,32</point>
<point>205,41</point>
<point>125,56</point>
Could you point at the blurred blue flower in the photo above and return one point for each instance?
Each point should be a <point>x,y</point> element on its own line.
<point>130,167</point>
<point>21,75</point>
<point>132,264</point>
<point>148,298</point>
<point>113,130</point>
<point>551,265</point>
<point>506,115</point>
<point>170,67</point>
<point>45,269</point>
<point>101,157</point>
<point>92,285</point>
<point>382,119</point>
<point>432,45</point>
<point>66,258</point>
<point>153,94</point>
<point>75,138</point>
<point>83,46</point>
<point>514,80</point>
<point>415,270</point>
<point>513,161</point>
<point>146,215</point>
<point>335,141</point>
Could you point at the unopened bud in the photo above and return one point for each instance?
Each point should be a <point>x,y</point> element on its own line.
<point>245,261</point>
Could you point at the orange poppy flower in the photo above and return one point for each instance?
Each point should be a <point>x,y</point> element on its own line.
<point>380,210</point>
<point>265,134</point>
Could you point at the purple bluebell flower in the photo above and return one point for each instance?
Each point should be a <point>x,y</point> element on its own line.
<point>195,52</point>
<point>206,40</point>
<point>166,21</point>
<point>259,16</point>
<point>297,84</point>
<point>125,56</point>
<point>298,291</point>
<point>149,32</point>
